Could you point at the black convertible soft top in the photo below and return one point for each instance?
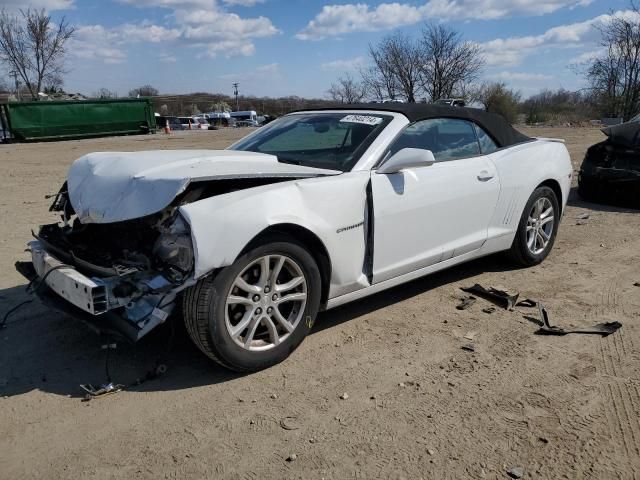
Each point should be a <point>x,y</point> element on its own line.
<point>495,125</point>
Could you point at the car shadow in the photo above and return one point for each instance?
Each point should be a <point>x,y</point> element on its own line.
<point>614,206</point>
<point>41,349</point>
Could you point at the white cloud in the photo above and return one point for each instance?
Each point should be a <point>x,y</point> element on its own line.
<point>167,58</point>
<point>146,33</point>
<point>243,3</point>
<point>48,5</point>
<point>336,20</point>
<point>205,25</point>
<point>340,19</point>
<point>343,65</point>
<point>588,56</point>
<point>519,77</point>
<point>492,9</point>
<point>95,42</point>
<point>511,51</point>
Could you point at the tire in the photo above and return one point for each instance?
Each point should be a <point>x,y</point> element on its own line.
<point>521,251</point>
<point>210,319</point>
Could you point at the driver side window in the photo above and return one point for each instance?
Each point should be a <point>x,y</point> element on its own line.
<point>447,138</point>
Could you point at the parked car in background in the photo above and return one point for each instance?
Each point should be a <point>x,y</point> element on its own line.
<point>315,210</point>
<point>249,116</point>
<point>247,123</point>
<point>453,102</point>
<point>174,122</point>
<point>200,123</point>
<point>610,171</point>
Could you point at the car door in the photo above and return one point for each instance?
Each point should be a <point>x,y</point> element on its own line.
<point>429,214</point>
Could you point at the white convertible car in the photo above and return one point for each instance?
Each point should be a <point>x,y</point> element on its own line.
<point>315,210</point>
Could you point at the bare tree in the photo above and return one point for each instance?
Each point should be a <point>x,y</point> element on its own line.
<point>220,106</point>
<point>34,47</point>
<point>614,77</point>
<point>395,72</point>
<point>346,90</point>
<point>144,91</point>
<point>105,93</point>
<point>450,64</point>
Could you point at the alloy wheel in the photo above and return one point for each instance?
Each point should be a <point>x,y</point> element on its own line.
<point>266,302</point>
<point>540,224</point>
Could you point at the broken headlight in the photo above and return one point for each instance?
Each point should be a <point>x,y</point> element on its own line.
<point>174,248</point>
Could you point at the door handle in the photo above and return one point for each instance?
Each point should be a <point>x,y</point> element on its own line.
<point>485,176</point>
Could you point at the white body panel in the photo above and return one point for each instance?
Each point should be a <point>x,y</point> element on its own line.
<point>222,226</point>
<point>116,186</point>
<point>430,214</point>
<point>521,169</point>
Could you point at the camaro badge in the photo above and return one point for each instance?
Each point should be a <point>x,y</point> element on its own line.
<point>352,227</point>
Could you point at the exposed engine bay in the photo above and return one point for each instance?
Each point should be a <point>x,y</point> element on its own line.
<point>136,268</point>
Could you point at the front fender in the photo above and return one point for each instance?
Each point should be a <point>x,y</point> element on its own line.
<point>222,226</point>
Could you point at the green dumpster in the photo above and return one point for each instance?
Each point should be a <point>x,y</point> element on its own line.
<point>53,120</point>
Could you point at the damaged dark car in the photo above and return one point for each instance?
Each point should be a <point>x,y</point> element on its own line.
<point>610,172</point>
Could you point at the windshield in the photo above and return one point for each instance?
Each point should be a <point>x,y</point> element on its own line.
<point>334,141</point>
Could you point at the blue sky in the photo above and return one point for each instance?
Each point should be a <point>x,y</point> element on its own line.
<point>298,47</point>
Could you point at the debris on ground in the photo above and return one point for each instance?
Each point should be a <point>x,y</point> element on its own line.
<point>470,335</point>
<point>105,389</point>
<point>603,329</point>
<point>289,423</point>
<point>500,296</point>
<point>466,303</point>
<point>469,347</point>
<point>527,302</point>
<point>292,458</point>
<point>582,219</point>
<point>344,396</point>
<point>516,472</point>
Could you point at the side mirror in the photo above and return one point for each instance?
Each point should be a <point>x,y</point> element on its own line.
<point>407,158</point>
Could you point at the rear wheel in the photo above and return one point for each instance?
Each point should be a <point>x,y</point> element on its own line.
<point>537,229</point>
<point>254,313</point>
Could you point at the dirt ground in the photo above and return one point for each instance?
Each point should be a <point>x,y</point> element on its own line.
<point>418,406</point>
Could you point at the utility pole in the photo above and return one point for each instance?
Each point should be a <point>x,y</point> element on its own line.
<point>235,92</point>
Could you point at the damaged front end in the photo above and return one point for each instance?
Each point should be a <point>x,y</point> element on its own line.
<point>123,276</point>
<point>610,171</point>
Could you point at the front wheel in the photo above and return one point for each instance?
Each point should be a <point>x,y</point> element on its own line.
<point>537,229</point>
<point>254,313</point>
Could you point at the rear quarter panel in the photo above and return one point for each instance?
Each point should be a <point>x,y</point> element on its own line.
<point>521,169</point>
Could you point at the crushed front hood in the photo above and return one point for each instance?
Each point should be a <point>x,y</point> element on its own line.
<point>112,187</point>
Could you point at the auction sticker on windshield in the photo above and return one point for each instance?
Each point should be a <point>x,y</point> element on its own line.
<point>363,119</point>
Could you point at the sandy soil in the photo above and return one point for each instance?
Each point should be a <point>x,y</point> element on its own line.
<point>418,405</point>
